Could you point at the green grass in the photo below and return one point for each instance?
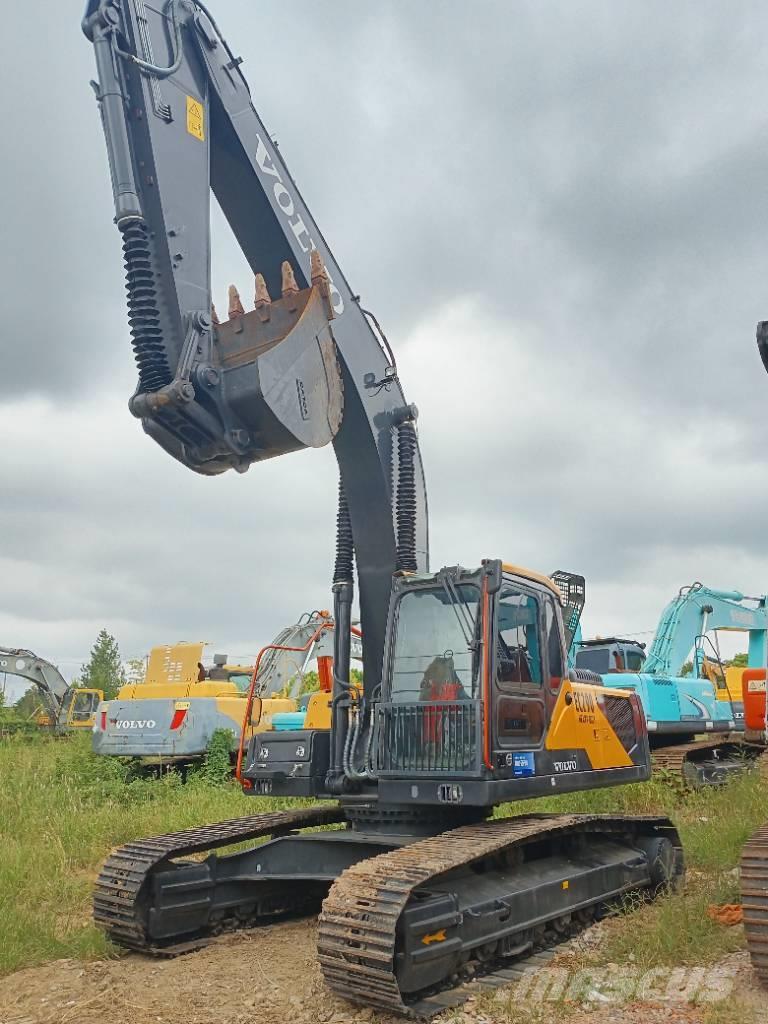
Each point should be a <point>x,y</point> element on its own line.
<point>713,825</point>
<point>675,930</point>
<point>62,810</point>
<point>731,1011</point>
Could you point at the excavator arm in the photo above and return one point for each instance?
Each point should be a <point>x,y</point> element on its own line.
<point>306,366</point>
<point>694,611</point>
<point>54,689</point>
<point>55,692</point>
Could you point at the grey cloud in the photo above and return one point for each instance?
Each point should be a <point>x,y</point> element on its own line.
<point>557,212</point>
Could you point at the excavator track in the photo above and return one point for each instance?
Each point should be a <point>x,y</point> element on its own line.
<point>675,759</point>
<point>671,759</point>
<point>358,938</point>
<point>120,891</point>
<point>754,898</point>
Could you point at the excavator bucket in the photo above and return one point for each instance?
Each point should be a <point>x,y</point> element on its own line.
<point>277,367</point>
<point>286,350</point>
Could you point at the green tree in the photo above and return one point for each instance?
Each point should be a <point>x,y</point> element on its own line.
<point>738,661</point>
<point>104,670</point>
<point>136,670</point>
<point>29,704</point>
<point>687,669</point>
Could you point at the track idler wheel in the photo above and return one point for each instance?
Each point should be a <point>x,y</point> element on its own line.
<point>662,859</point>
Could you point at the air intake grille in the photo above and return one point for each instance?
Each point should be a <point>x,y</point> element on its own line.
<point>430,738</point>
<point>618,711</point>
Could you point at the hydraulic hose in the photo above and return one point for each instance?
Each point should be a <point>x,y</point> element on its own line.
<point>178,52</point>
<point>405,505</point>
<point>343,594</point>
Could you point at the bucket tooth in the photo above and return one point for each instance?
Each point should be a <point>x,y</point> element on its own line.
<point>263,301</point>
<point>319,276</point>
<point>289,288</point>
<point>214,316</point>
<point>317,268</point>
<point>235,305</point>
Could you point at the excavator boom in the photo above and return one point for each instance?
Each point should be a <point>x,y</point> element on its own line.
<point>179,122</point>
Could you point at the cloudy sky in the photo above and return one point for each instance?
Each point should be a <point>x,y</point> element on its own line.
<point>558,211</point>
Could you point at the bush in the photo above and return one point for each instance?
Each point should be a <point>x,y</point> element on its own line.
<point>216,766</point>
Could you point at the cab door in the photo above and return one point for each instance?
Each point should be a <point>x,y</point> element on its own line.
<point>519,690</point>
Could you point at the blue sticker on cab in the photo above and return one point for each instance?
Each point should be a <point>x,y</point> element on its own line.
<point>523,763</point>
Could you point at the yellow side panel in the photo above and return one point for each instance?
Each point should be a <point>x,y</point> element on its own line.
<point>175,663</point>
<point>234,708</point>
<point>319,711</point>
<point>146,691</point>
<point>733,689</point>
<point>273,706</point>
<point>172,672</point>
<point>579,723</point>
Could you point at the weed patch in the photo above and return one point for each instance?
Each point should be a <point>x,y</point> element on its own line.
<point>62,810</point>
<point>674,929</point>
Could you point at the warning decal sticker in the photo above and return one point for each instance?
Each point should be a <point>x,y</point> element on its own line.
<point>195,119</point>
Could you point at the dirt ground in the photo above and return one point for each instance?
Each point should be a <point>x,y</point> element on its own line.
<point>268,976</point>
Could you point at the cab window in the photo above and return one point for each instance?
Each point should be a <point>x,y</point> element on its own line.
<point>554,646</point>
<point>518,657</point>
<point>240,680</point>
<point>434,655</point>
<point>635,661</point>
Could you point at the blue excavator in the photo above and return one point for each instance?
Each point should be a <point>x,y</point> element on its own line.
<point>708,701</point>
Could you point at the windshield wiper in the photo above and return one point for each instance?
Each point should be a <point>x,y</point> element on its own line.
<point>464,617</point>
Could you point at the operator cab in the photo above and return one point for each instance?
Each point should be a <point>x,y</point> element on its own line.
<point>607,655</point>
<point>476,704</point>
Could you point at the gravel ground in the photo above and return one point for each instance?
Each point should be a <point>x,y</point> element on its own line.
<point>269,976</point>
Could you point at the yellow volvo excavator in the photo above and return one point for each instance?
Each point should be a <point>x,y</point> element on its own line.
<point>64,708</point>
<point>466,700</point>
<point>170,717</point>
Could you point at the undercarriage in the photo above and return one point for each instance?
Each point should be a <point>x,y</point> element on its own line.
<point>706,762</point>
<point>402,916</point>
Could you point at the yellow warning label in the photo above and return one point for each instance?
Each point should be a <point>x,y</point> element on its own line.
<point>434,937</point>
<point>195,119</point>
